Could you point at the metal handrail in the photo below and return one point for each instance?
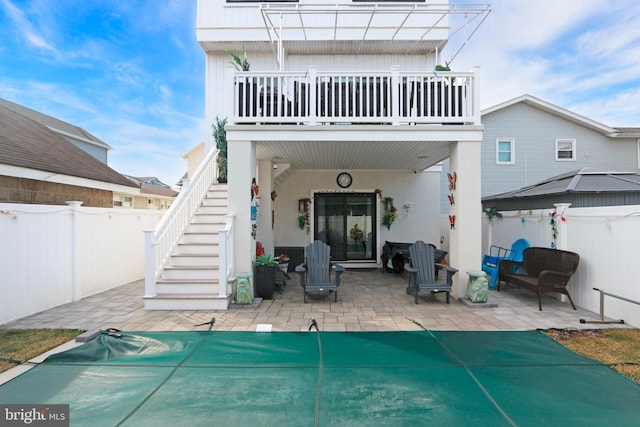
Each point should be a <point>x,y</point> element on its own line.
<point>602,294</point>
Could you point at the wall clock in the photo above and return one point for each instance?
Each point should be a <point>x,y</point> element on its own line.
<point>344,179</point>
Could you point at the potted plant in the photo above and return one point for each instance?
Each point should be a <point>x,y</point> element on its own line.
<point>241,64</point>
<point>220,136</point>
<point>246,86</point>
<point>265,266</point>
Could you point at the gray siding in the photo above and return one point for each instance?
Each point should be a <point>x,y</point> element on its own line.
<point>99,153</point>
<point>535,132</point>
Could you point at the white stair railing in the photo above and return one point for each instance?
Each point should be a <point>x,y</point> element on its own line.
<point>160,242</point>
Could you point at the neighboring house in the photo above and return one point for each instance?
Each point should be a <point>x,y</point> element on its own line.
<point>153,194</point>
<point>194,158</point>
<point>40,166</point>
<point>528,140</point>
<point>343,117</point>
<point>72,133</point>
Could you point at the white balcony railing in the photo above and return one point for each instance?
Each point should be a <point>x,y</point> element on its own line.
<point>392,97</point>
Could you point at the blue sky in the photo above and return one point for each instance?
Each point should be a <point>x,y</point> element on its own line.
<point>131,72</point>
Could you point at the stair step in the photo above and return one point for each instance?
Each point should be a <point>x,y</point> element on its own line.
<point>221,200</point>
<point>186,286</point>
<point>212,210</point>
<point>197,249</point>
<point>207,301</point>
<point>206,227</point>
<point>190,273</point>
<point>197,237</point>
<point>193,260</point>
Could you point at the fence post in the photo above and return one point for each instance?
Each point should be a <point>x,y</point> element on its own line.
<point>74,206</point>
<point>561,239</point>
<point>149,264</point>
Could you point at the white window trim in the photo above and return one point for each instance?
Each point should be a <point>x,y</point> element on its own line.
<point>573,149</point>
<point>512,141</point>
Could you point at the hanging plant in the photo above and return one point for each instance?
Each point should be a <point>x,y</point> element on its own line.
<point>390,212</point>
<point>492,213</point>
<point>303,217</point>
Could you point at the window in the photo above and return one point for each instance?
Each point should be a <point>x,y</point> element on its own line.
<point>122,202</point>
<point>505,151</point>
<point>565,149</point>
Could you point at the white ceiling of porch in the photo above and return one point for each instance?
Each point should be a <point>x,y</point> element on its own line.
<point>354,155</point>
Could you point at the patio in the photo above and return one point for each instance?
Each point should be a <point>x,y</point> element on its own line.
<point>368,300</point>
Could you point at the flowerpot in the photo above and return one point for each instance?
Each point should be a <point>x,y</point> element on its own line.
<point>265,281</point>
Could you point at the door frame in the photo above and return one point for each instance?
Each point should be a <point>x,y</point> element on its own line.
<point>376,246</point>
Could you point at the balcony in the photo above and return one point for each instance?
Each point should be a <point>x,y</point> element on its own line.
<point>393,97</point>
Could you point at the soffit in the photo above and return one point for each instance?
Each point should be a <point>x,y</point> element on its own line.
<point>354,155</point>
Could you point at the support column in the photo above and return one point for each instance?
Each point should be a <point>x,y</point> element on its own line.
<point>465,240</point>
<point>241,170</point>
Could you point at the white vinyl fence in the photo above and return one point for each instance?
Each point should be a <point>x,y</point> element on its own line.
<point>607,240</point>
<point>52,255</point>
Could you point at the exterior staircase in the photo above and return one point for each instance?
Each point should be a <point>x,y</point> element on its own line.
<point>189,279</point>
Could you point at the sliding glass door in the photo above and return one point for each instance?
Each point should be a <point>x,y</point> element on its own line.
<point>345,221</point>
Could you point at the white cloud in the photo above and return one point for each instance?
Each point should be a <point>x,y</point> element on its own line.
<point>570,53</point>
<point>25,29</point>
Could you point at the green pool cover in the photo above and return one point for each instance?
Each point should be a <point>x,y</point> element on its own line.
<point>329,379</point>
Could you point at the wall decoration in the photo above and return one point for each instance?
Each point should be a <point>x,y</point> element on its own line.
<point>273,195</point>
<point>452,222</point>
<point>554,226</point>
<point>453,177</point>
<point>255,190</point>
<point>452,200</point>
<point>344,180</point>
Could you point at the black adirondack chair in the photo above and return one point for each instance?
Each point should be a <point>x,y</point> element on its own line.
<point>315,273</point>
<point>422,271</point>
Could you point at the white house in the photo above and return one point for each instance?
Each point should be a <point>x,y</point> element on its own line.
<point>340,112</point>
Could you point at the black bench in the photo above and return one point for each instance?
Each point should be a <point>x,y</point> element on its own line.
<point>398,253</point>
<point>542,270</point>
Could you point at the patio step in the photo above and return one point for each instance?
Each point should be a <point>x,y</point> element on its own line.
<point>190,301</point>
<point>193,260</point>
<point>190,272</point>
<point>185,286</point>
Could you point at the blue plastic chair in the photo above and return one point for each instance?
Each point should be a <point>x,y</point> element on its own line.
<point>497,254</point>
